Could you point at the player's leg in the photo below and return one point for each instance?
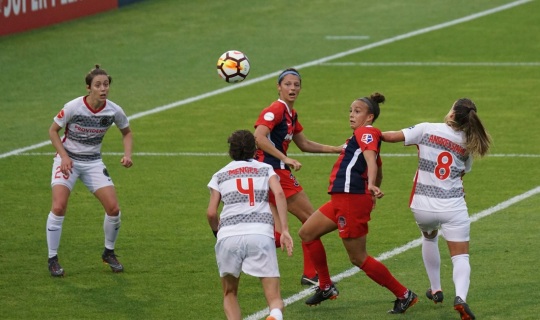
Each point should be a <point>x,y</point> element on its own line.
<point>97,180</point>
<point>230,297</point>
<point>457,234</point>
<point>428,222</point>
<point>61,185</point>
<point>300,206</point>
<point>273,297</point>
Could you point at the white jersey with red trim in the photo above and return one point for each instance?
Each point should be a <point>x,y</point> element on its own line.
<point>442,161</point>
<point>244,187</point>
<point>84,127</point>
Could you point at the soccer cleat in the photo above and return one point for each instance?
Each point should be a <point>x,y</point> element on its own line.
<point>401,305</point>
<point>320,295</point>
<point>463,309</point>
<point>438,297</point>
<point>54,267</point>
<point>305,281</point>
<point>109,258</point>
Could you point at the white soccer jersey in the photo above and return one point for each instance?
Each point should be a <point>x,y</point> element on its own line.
<point>84,127</point>
<point>442,160</point>
<point>243,186</point>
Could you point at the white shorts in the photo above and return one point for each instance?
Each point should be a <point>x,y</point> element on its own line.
<point>455,225</point>
<point>93,174</point>
<point>254,254</point>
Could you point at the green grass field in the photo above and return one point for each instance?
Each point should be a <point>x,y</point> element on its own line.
<point>423,55</point>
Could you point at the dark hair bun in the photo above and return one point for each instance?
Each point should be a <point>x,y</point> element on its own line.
<point>377,97</point>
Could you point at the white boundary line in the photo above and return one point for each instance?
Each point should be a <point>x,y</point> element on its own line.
<point>431,64</point>
<point>410,245</point>
<point>222,154</point>
<point>305,65</point>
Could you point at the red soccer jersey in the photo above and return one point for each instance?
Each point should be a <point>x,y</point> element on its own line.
<point>349,174</point>
<point>283,123</point>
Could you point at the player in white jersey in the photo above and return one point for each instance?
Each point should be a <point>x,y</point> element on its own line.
<point>445,154</point>
<point>85,121</point>
<point>245,226</point>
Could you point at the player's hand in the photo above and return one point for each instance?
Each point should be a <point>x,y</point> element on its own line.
<point>293,164</point>
<point>66,166</point>
<point>286,242</point>
<point>376,192</point>
<point>126,162</point>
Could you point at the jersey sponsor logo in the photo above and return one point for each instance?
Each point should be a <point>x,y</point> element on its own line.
<point>269,116</point>
<point>367,138</point>
<point>288,137</point>
<point>60,114</point>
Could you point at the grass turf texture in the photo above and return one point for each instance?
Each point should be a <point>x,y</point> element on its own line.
<point>165,243</point>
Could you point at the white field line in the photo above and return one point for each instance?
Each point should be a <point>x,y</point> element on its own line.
<point>386,255</point>
<point>223,154</point>
<point>305,65</point>
<point>431,64</point>
<point>346,37</point>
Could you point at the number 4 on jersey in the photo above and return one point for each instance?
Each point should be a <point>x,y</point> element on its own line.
<point>250,192</point>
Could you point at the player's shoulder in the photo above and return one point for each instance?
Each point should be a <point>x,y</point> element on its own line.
<point>75,102</point>
<point>113,105</point>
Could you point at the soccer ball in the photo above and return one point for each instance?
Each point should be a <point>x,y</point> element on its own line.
<point>233,66</point>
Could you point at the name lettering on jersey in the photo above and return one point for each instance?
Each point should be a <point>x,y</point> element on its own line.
<point>243,170</point>
<point>367,138</point>
<point>89,130</point>
<point>449,145</point>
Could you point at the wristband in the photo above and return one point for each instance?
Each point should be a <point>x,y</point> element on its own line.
<point>215,233</point>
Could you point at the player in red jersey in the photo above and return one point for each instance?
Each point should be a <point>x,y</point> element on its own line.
<point>275,128</point>
<point>354,185</point>
<point>445,155</point>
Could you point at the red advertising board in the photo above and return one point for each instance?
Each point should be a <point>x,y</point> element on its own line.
<point>23,15</point>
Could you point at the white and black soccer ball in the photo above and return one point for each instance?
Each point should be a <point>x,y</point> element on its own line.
<point>233,66</point>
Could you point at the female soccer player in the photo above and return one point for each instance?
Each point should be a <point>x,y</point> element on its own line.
<point>354,185</point>
<point>245,226</point>
<point>445,154</point>
<point>85,121</point>
<point>275,128</point>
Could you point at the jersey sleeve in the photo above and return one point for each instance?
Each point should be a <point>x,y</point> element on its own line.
<point>270,116</point>
<point>64,115</point>
<point>120,119</point>
<point>213,184</point>
<point>368,138</point>
<point>414,134</point>
<point>297,127</point>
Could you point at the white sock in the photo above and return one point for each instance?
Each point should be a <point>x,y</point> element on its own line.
<point>432,262</point>
<point>276,313</point>
<point>111,227</point>
<point>54,232</point>
<point>462,275</point>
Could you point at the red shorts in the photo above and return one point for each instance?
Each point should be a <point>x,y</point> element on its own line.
<point>351,213</point>
<point>289,184</point>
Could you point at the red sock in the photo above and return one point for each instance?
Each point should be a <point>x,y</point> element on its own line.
<point>380,274</point>
<point>317,253</point>
<point>277,236</point>
<point>309,268</point>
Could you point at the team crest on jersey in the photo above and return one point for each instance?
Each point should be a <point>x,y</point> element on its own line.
<point>367,138</point>
<point>106,121</point>
<point>342,222</point>
<point>60,114</point>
